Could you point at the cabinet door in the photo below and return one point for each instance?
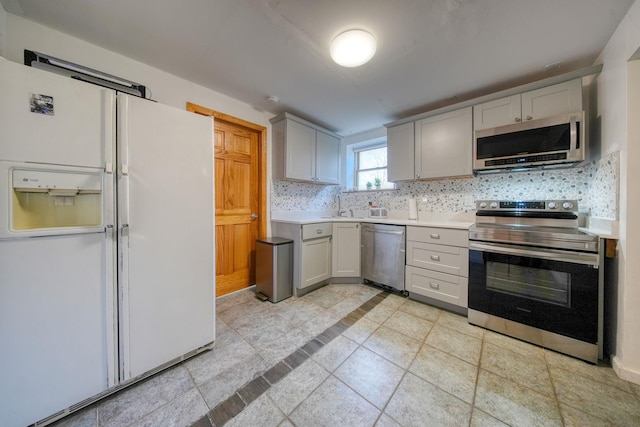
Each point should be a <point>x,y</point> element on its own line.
<point>444,144</point>
<point>300,151</point>
<point>499,112</point>
<point>563,98</point>
<point>327,158</point>
<point>315,261</point>
<point>400,152</point>
<point>345,250</point>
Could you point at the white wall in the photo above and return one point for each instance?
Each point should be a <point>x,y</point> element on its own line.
<point>166,88</point>
<point>20,34</point>
<point>620,132</point>
<point>3,25</point>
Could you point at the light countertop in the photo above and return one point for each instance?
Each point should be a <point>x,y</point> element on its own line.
<point>603,228</point>
<point>457,220</point>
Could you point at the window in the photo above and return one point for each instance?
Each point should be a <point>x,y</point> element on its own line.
<point>371,168</point>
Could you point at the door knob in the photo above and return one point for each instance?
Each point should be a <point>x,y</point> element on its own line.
<point>254,216</point>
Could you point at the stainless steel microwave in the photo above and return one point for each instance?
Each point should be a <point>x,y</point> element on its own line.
<point>550,142</point>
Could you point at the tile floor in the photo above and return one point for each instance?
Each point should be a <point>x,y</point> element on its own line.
<point>348,355</point>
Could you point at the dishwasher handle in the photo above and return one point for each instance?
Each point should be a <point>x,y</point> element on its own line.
<point>373,230</point>
<point>389,232</point>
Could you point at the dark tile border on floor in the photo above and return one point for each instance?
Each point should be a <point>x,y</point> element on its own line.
<point>246,394</point>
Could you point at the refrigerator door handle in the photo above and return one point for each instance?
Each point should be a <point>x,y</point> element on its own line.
<point>108,132</point>
<point>123,201</point>
<point>123,149</point>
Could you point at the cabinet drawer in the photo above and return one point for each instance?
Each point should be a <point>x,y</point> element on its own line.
<point>313,231</point>
<point>446,259</point>
<point>440,236</point>
<point>440,286</point>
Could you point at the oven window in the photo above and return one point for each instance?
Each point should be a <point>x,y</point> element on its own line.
<point>528,282</point>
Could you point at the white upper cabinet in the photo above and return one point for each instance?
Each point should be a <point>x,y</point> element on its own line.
<point>401,152</point>
<point>300,144</point>
<point>443,145</point>
<point>305,152</point>
<point>562,98</point>
<point>327,158</point>
<point>498,112</point>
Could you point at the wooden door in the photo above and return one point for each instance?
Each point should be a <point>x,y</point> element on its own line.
<point>240,197</point>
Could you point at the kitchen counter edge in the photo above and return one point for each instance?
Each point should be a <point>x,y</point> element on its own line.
<point>464,225</point>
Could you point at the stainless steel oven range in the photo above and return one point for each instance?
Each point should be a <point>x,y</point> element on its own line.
<point>535,276</point>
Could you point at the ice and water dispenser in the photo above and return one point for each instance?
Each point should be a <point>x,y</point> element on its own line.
<point>50,200</point>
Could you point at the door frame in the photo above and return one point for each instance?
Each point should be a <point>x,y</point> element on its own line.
<point>262,157</point>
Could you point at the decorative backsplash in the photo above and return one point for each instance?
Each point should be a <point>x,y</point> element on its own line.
<point>594,185</point>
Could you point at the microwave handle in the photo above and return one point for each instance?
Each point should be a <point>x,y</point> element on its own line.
<point>573,135</point>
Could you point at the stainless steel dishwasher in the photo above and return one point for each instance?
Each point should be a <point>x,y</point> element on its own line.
<point>383,254</point>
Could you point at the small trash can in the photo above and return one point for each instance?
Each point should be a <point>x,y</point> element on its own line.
<point>274,268</point>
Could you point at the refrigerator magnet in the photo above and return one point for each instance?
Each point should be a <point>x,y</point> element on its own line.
<point>41,104</point>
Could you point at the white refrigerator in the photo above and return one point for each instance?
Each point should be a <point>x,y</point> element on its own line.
<point>106,241</point>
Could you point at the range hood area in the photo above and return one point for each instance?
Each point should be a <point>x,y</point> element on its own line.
<point>553,142</point>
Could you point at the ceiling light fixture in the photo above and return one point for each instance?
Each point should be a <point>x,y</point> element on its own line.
<point>353,48</point>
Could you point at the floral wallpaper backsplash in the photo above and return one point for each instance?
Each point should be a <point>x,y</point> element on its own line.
<point>594,185</point>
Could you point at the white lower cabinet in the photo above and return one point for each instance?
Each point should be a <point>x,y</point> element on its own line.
<point>315,261</point>
<point>438,264</point>
<point>345,249</point>
<point>311,250</point>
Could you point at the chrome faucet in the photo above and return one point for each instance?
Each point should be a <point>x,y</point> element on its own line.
<point>340,211</point>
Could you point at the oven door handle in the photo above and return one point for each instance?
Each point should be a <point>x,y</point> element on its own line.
<point>546,254</point>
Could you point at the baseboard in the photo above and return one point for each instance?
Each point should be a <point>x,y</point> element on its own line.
<point>624,373</point>
<point>345,280</point>
<point>440,304</point>
<point>251,288</point>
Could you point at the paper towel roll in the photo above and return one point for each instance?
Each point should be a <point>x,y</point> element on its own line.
<point>413,209</point>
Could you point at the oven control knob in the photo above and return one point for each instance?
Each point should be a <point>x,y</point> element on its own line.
<point>494,205</point>
<point>552,205</point>
<point>483,205</point>
<point>567,205</point>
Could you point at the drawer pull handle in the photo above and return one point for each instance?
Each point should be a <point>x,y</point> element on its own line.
<point>435,236</point>
<point>435,258</point>
<point>433,285</point>
<point>319,231</point>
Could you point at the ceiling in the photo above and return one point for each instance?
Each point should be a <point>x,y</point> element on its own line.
<point>430,52</point>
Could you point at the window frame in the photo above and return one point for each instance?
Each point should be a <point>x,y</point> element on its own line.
<point>356,164</point>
